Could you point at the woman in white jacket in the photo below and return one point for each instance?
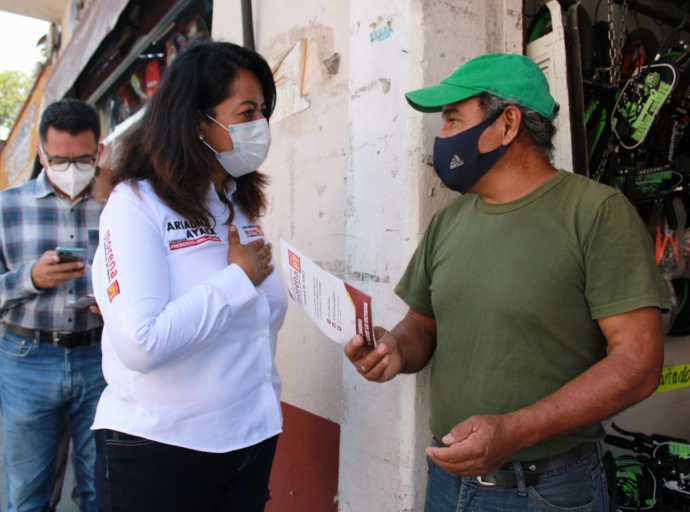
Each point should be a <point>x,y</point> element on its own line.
<point>184,279</point>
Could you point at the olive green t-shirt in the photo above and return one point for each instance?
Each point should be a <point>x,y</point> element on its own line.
<point>516,289</point>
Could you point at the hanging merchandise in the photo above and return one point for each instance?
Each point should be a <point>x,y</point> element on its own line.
<point>125,103</point>
<point>641,101</point>
<point>640,48</point>
<point>197,29</point>
<point>105,114</point>
<point>152,77</point>
<point>126,70</point>
<point>640,150</point>
<point>667,223</point>
<point>135,82</point>
<point>656,476</point>
<point>633,486</point>
<point>176,44</point>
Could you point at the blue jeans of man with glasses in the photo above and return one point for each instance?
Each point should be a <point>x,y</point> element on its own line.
<point>40,385</point>
<point>579,486</point>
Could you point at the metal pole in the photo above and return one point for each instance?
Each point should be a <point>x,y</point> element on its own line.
<point>247,25</point>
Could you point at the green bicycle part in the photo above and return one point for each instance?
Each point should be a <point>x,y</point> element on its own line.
<point>680,450</point>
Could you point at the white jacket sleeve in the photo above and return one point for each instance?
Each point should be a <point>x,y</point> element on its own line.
<point>146,328</point>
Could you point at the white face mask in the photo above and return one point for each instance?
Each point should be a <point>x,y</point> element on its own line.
<point>71,181</point>
<point>251,142</point>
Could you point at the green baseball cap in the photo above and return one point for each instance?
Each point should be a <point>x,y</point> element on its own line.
<point>508,76</point>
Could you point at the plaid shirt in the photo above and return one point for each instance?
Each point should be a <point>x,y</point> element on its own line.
<point>34,219</point>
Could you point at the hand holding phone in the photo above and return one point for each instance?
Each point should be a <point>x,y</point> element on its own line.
<point>69,254</point>
<point>50,272</point>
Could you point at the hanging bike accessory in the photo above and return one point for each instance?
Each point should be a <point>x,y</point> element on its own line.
<point>640,102</point>
<point>648,120</point>
<point>667,250</point>
<point>636,486</point>
<point>657,477</point>
<point>641,46</point>
<point>637,122</point>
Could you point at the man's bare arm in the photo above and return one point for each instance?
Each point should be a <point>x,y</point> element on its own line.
<point>629,373</point>
<point>407,348</point>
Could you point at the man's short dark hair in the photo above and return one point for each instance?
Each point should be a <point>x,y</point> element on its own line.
<point>72,116</point>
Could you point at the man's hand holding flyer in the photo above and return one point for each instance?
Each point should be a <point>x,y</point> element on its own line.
<point>338,309</point>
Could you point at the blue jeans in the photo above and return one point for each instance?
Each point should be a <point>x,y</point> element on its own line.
<point>40,385</point>
<point>577,487</point>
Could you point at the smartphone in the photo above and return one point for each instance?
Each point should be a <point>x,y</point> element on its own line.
<point>81,303</point>
<point>67,254</point>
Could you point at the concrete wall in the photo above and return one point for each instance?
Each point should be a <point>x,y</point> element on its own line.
<point>308,196</point>
<point>353,188</point>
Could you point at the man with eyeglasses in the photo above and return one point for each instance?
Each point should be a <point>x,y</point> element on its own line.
<point>50,355</point>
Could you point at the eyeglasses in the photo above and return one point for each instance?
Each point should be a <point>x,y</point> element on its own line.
<point>58,164</point>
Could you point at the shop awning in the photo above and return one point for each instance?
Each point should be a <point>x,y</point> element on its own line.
<point>48,10</point>
<point>99,19</point>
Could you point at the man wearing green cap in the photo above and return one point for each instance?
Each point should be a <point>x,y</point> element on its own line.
<point>535,293</point>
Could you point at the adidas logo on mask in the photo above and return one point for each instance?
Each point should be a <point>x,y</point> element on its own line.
<point>456,162</point>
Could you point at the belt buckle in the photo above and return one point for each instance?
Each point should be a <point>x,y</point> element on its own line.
<point>485,484</point>
<point>58,337</point>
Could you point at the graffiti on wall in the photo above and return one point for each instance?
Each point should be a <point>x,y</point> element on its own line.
<point>380,34</point>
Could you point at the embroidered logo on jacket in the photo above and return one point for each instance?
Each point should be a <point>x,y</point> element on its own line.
<point>193,234</point>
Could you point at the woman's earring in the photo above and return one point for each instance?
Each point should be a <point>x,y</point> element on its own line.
<point>201,138</point>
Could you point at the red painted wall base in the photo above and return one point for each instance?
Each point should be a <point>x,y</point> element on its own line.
<point>305,471</point>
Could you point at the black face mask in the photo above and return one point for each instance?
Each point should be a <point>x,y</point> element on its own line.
<point>457,159</point>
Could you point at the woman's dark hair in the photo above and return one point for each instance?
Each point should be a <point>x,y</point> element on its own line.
<point>164,146</point>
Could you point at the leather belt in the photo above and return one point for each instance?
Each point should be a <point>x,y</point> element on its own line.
<point>60,339</point>
<point>505,476</point>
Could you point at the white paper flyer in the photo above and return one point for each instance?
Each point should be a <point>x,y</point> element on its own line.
<point>338,309</point>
